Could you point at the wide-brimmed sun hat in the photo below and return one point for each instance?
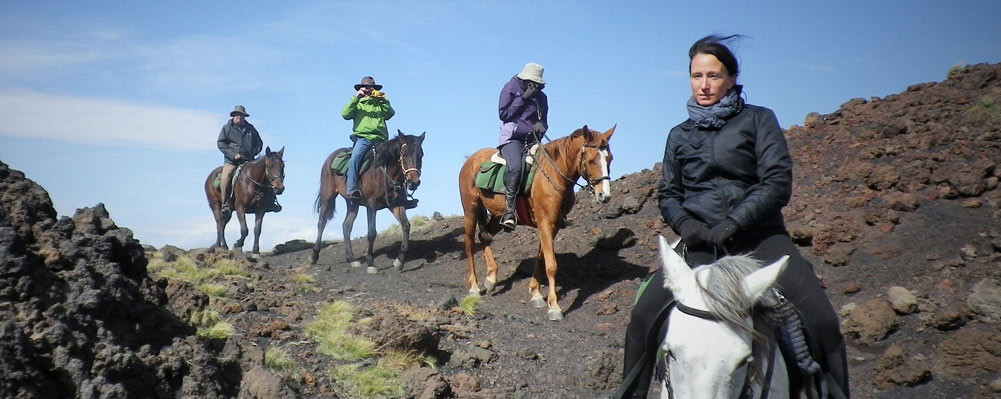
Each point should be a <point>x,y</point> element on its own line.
<point>368,81</point>
<point>533,72</point>
<point>239,110</point>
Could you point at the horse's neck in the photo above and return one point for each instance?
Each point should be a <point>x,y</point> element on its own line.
<point>565,163</point>
<point>253,170</point>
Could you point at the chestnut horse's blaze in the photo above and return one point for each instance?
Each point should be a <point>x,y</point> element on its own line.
<point>561,163</point>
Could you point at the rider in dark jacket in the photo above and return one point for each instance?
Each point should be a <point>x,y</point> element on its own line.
<point>239,143</point>
<point>727,174</point>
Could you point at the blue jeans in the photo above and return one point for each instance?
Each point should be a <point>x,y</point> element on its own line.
<point>361,146</point>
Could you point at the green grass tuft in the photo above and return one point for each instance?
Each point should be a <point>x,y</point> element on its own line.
<point>213,290</point>
<point>329,329</point>
<point>376,381</point>
<point>220,330</point>
<point>470,304</point>
<point>278,361</point>
<point>303,278</point>
<point>204,318</point>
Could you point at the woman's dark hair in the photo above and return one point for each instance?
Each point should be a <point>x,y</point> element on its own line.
<point>713,45</point>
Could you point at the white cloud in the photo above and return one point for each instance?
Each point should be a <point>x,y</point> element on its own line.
<point>200,232</point>
<point>40,115</point>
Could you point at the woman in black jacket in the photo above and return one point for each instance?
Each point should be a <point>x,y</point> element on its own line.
<point>727,174</point>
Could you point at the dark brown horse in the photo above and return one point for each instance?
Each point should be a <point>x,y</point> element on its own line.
<point>560,164</point>
<point>256,188</point>
<point>395,168</point>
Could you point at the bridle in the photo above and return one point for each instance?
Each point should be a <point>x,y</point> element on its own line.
<point>580,167</point>
<point>404,167</point>
<point>401,186</point>
<point>267,177</point>
<point>747,391</point>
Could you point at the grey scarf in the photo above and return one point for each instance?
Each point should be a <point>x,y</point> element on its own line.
<point>714,116</point>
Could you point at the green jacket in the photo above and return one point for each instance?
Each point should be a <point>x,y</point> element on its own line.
<point>370,116</point>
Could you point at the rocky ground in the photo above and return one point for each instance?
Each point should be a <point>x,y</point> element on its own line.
<point>896,204</point>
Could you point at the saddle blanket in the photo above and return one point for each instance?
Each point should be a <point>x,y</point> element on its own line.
<point>217,183</point>
<point>340,163</point>
<point>491,176</point>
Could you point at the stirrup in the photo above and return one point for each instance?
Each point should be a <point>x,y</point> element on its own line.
<point>509,221</point>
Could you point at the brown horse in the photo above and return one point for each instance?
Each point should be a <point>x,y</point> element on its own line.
<point>560,164</point>
<point>395,168</point>
<point>256,188</point>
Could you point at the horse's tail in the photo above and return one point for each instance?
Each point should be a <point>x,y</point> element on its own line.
<point>318,206</point>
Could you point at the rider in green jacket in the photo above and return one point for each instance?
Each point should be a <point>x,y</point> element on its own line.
<point>369,109</point>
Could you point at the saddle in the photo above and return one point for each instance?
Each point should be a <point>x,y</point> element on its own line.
<point>340,162</point>
<point>490,177</point>
<point>217,183</point>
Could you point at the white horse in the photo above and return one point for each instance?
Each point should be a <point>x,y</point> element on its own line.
<point>712,349</point>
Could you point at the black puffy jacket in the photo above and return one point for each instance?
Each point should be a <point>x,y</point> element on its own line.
<point>741,171</point>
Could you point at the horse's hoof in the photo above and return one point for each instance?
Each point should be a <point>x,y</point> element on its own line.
<point>371,270</point>
<point>397,264</point>
<point>489,284</point>
<point>555,315</point>
<point>538,303</point>
<point>356,264</point>
<point>474,292</point>
<point>313,257</point>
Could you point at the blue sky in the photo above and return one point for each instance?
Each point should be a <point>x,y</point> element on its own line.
<point>121,102</point>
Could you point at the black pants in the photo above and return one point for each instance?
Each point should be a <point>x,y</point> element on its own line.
<point>798,283</point>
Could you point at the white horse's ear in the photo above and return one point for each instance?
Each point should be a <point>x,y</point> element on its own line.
<point>676,271</point>
<point>764,278</point>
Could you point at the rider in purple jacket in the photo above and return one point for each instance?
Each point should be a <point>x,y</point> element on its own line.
<point>524,115</point>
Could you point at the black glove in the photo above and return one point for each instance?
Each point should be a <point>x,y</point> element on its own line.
<point>530,89</point>
<point>694,233</point>
<point>722,232</point>
<point>539,129</point>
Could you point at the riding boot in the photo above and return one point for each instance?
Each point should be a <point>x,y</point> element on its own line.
<point>511,186</point>
<point>509,220</point>
<point>226,207</point>
<point>275,206</point>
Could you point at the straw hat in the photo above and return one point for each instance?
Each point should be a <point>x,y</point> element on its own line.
<point>239,110</point>
<point>533,72</point>
<point>368,81</point>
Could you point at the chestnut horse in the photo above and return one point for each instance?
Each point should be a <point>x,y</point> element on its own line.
<point>256,188</point>
<point>560,164</point>
<point>395,168</point>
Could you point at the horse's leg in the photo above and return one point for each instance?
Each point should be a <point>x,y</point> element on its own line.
<point>220,228</point>
<point>320,225</point>
<point>369,259</point>
<point>536,280</point>
<point>349,220</point>
<point>325,208</point>
<point>259,220</point>
<point>488,256</point>
<point>469,222</point>
<point>241,215</point>
<point>401,215</point>
<point>546,234</point>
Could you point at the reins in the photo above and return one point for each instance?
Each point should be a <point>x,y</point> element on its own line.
<point>400,186</point>
<point>662,314</point>
<point>267,177</point>
<point>580,168</point>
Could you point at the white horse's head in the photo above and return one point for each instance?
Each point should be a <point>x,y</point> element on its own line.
<point>711,357</point>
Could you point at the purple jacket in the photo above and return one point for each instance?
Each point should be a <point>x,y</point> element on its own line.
<point>519,116</point>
